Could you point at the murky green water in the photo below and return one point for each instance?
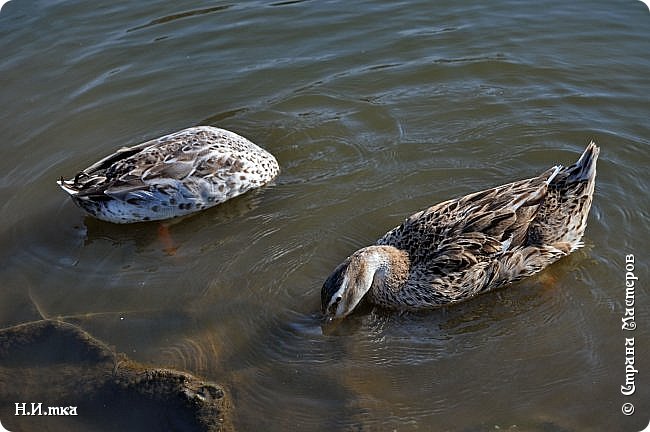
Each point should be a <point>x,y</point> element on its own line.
<point>374,110</point>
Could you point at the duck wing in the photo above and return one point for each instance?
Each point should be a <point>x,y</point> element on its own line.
<point>118,172</point>
<point>180,160</point>
<point>457,234</point>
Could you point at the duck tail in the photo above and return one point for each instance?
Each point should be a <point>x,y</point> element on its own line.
<point>68,186</point>
<point>585,168</point>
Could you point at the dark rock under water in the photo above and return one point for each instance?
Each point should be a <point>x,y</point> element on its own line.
<point>57,364</point>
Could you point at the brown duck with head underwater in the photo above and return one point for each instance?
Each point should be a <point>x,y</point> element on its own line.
<point>459,248</point>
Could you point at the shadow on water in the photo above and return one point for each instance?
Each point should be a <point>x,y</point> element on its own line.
<point>145,235</point>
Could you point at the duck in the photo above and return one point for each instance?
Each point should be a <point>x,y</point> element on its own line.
<point>463,247</point>
<point>171,176</point>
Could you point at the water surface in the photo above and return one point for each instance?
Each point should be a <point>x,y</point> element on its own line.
<point>374,110</point>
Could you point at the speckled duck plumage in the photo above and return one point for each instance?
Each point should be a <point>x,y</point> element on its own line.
<point>170,176</point>
<point>469,245</point>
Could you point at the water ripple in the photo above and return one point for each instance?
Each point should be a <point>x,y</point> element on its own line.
<point>181,15</point>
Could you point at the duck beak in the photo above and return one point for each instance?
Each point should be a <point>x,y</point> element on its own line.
<point>328,319</point>
<point>329,324</point>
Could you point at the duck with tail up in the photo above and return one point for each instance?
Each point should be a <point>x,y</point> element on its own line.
<point>466,246</point>
<point>171,176</point>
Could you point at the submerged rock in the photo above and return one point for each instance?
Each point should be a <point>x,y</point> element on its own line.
<point>67,371</point>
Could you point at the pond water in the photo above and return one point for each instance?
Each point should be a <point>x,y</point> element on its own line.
<point>374,110</point>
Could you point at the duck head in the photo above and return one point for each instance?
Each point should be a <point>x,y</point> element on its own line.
<point>373,267</point>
